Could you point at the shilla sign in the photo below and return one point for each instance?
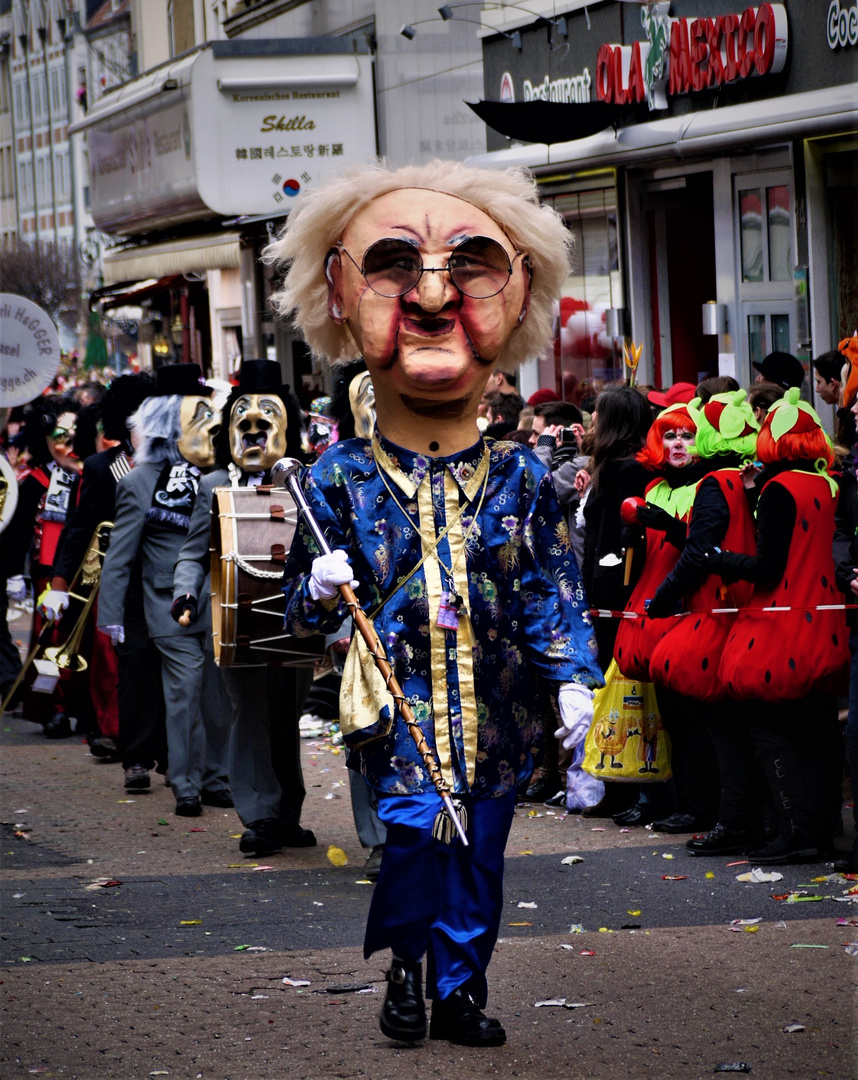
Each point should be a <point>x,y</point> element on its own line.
<point>684,55</point>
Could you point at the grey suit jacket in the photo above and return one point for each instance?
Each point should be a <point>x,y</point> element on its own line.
<point>159,547</point>
<point>193,567</point>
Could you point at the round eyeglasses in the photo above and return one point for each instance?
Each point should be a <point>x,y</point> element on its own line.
<point>479,267</point>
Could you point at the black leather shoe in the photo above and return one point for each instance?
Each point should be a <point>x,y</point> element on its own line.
<point>681,823</point>
<point>58,727</point>
<point>541,790</point>
<point>636,815</point>
<point>784,850</point>
<point>846,862</point>
<point>137,778</point>
<point>220,799</point>
<point>459,1020</point>
<point>294,836</point>
<point>403,1014</point>
<point>104,749</point>
<point>262,837</point>
<point>189,806</point>
<point>721,841</point>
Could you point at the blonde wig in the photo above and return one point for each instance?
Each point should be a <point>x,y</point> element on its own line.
<point>510,199</point>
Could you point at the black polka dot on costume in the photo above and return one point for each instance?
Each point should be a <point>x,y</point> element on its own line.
<point>824,580</point>
<point>730,483</point>
<point>751,644</point>
<point>768,676</point>
<point>808,616</point>
<point>792,664</point>
<point>697,624</point>
<point>805,524</point>
<point>433,446</point>
<point>834,639</point>
<point>817,504</point>
<point>704,662</point>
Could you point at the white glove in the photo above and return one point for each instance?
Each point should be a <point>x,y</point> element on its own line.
<point>329,571</point>
<point>52,603</point>
<point>115,633</point>
<point>16,588</point>
<point>576,713</point>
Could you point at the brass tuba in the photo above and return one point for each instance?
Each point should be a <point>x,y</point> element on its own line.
<point>66,656</point>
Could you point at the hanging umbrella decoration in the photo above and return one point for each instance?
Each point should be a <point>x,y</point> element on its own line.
<point>632,357</point>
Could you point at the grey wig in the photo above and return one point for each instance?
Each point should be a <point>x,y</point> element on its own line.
<point>157,430</point>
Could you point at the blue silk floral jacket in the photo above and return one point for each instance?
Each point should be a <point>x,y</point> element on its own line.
<point>504,551</point>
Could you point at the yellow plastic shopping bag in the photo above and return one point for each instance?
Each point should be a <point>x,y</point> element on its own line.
<point>626,740</point>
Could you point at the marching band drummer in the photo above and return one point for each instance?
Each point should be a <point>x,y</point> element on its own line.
<point>435,275</point>
<point>172,434</point>
<point>261,423</point>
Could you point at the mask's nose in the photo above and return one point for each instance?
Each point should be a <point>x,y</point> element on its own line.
<point>433,291</point>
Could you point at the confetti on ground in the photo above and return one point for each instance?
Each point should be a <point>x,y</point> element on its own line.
<point>741,862</point>
<point>519,924</point>
<point>676,877</point>
<point>126,800</point>
<point>526,904</point>
<point>797,945</point>
<point>792,1028</point>
<point>632,913</point>
<point>587,952</point>
<point>756,876</point>
<point>337,856</point>
<point>571,860</point>
<point>295,982</point>
<point>263,866</point>
<point>191,922</point>
<point>709,874</point>
<point>576,928</point>
<point>668,856</point>
<point>525,853</point>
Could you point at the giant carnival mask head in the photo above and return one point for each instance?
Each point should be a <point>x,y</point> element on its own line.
<point>198,419</point>
<point>362,402</point>
<point>50,426</point>
<point>259,417</point>
<point>433,274</point>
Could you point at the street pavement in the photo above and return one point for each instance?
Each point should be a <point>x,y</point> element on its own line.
<point>137,944</point>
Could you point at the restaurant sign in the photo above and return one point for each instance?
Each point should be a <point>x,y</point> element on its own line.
<point>685,55</point>
<point>230,135</point>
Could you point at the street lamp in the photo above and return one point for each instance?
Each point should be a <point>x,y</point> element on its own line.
<point>558,23</point>
<point>408,30</point>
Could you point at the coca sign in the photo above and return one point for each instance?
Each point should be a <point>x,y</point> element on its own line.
<point>686,55</point>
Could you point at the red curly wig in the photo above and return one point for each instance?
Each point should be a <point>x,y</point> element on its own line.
<point>653,455</point>
<point>806,442</point>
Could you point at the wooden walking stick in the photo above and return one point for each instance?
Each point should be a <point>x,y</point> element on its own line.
<point>286,472</point>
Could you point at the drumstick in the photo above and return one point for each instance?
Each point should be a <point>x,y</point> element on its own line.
<point>185,617</point>
<point>291,468</point>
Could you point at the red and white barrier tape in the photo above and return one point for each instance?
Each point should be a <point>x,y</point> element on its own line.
<point>607,613</point>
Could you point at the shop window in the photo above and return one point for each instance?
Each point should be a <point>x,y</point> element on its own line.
<point>585,357</point>
<point>841,181</point>
<point>780,245</point>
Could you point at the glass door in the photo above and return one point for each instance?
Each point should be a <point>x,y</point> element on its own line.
<point>765,251</point>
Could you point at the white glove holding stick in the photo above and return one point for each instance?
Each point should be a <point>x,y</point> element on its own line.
<point>576,714</point>
<point>328,572</point>
<point>115,633</point>
<point>52,603</point>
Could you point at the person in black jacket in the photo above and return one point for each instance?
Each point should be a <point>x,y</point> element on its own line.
<point>846,567</point>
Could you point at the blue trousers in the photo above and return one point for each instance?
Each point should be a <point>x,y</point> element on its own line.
<point>442,901</point>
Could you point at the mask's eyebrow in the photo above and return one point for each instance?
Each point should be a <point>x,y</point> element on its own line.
<point>275,405</point>
<point>200,410</point>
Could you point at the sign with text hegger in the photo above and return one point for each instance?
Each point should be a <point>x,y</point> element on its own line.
<point>29,350</point>
<point>236,136</point>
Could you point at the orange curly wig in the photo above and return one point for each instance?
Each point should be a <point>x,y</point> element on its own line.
<point>653,455</point>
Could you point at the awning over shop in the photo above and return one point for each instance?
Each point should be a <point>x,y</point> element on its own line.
<point>123,293</point>
<point>190,255</point>
<point>549,121</point>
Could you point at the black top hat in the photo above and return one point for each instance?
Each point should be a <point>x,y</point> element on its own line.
<point>781,368</point>
<point>260,377</point>
<point>182,380</point>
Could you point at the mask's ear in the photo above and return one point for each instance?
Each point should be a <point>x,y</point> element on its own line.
<point>528,281</point>
<point>334,278</point>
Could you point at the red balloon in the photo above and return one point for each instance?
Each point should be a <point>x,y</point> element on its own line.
<point>629,509</point>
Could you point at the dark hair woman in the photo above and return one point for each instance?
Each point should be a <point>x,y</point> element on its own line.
<point>621,420</point>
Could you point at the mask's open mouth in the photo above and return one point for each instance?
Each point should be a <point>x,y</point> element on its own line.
<point>429,327</point>
<point>254,440</point>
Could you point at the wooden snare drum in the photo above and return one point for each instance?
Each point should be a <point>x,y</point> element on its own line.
<point>252,531</point>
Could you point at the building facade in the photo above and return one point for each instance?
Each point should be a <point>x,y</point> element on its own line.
<point>705,157</point>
